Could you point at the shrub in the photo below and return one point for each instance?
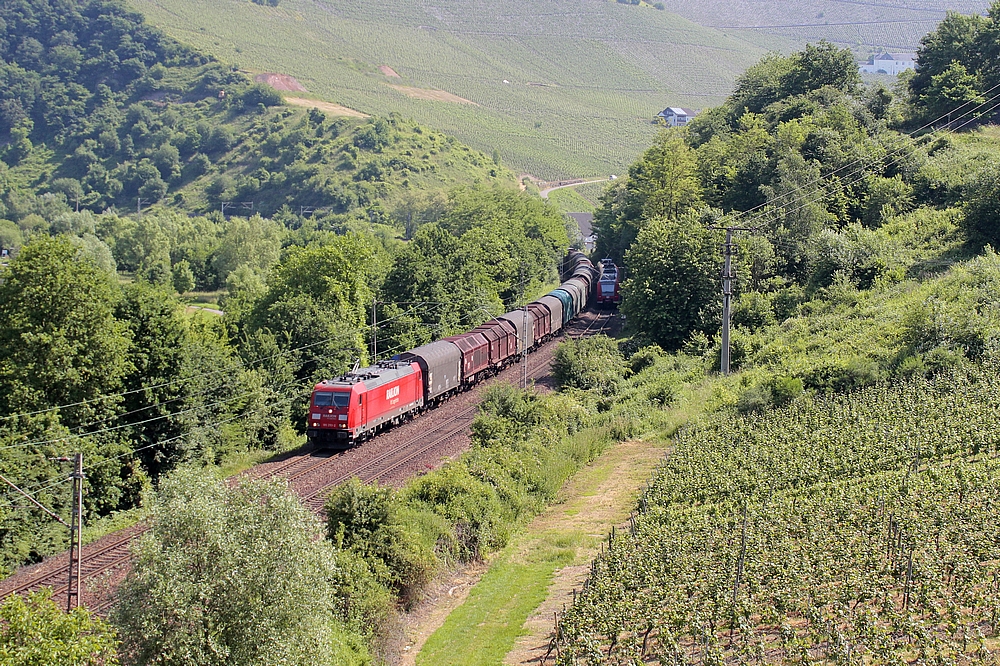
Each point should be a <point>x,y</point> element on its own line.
<point>645,358</point>
<point>754,310</point>
<point>589,363</point>
<point>365,519</point>
<point>839,376</point>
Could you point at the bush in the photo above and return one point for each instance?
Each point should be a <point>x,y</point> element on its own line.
<point>982,207</point>
<point>645,358</point>
<point>257,95</point>
<point>753,310</point>
<point>840,376</point>
<point>364,519</point>
<point>589,363</point>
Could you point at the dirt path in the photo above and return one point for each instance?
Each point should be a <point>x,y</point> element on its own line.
<point>447,593</point>
<point>329,107</point>
<point>431,95</point>
<point>545,563</point>
<point>545,193</point>
<point>597,498</point>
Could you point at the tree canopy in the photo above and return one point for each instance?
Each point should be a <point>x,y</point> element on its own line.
<point>233,575</point>
<point>672,290</point>
<point>34,632</point>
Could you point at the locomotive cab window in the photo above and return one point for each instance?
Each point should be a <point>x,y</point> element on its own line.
<point>332,399</point>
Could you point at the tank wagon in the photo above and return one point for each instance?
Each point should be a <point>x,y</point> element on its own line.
<point>358,404</point>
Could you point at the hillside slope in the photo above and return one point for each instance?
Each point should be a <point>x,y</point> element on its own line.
<point>558,89</point>
<point>862,26</point>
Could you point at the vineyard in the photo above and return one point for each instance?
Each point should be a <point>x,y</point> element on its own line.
<point>894,26</point>
<point>856,529</point>
<point>561,91</point>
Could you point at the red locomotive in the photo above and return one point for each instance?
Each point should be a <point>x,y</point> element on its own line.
<point>608,286</point>
<point>356,404</point>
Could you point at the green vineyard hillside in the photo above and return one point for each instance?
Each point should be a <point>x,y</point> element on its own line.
<point>558,91</point>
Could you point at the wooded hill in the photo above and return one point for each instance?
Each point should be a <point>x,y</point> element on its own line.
<point>99,111</point>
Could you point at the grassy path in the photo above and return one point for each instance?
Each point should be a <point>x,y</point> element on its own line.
<point>507,615</point>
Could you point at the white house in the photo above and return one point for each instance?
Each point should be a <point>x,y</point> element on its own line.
<point>889,63</point>
<point>674,115</point>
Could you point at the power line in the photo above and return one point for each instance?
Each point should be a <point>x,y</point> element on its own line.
<point>806,201</point>
<point>244,365</point>
<point>51,484</point>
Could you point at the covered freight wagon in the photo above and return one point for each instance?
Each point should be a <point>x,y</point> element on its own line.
<point>555,308</point>
<point>475,350</point>
<point>543,320</point>
<point>506,342</point>
<point>441,363</point>
<point>524,328</point>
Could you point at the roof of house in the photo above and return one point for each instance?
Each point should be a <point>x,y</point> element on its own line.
<point>902,57</point>
<point>676,111</point>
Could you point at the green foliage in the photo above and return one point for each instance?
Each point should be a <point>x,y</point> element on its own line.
<point>875,509</point>
<point>141,122</point>
<point>957,67</point>
<point>234,575</point>
<point>60,342</point>
<point>592,363</point>
<point>34,632</point>
<point>778,77</point>
<point>366,520</point>
<point>468,265</point>
<point>662,184</point>
<point>671,288</point>
<point>316,302</point>
<point>525,446</point>
<point>981,217</point>
<point>775,392</point>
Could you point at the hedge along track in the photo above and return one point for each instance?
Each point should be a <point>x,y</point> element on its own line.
<point>109,556</point>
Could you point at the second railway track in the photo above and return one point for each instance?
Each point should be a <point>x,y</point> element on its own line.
<point>310,474</point>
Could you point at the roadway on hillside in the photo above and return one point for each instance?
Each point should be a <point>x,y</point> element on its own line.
<point>575,183</point>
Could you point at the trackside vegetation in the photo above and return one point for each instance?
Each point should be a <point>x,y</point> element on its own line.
<point>101,115</point>
<point>835,499</point>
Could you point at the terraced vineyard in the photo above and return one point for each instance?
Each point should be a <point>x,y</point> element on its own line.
<point>558,89</point>
<point>858,529</point>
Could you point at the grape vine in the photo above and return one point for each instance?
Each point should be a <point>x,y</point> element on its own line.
<point>855,529</point>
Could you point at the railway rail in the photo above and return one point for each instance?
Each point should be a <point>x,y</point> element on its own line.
<point>311,474</point>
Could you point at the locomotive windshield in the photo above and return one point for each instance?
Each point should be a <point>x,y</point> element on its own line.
<point>332,399</point>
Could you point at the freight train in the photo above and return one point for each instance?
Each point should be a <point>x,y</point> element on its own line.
<point>356,405</point>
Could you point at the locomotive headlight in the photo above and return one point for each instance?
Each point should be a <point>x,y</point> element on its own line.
<point>329,411</point>
<point>315,425</point>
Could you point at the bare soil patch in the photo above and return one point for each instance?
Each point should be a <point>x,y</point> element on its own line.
<point>282,82</point>
<point>431,95</point>
<point>328,107</point>
<point>389,71</point>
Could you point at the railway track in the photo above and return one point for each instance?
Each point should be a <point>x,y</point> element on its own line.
<point>103,558</point>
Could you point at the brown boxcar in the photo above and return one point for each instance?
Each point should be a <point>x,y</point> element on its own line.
<point>475,355</point>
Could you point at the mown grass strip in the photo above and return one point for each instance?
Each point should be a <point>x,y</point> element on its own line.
<point>529,575</point>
